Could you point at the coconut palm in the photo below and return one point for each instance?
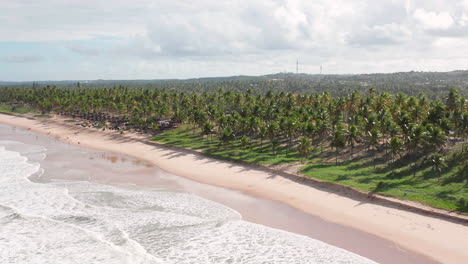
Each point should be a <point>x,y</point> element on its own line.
<point>245,141</point>
<point>208,129</point>
<point>436,137</point>
<point>339,140</point>
<point>352,137</point>
<point>374,138</point>
<point>438,163</point>
<point>226,135</point>
<point>304,146</point>
<point>396,146</point>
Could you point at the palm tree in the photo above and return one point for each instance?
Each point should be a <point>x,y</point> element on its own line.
<point>396,146</point>
<point>374,138</point>
<point>304,146</point>
<point>436,137</point>
<point>274,146</point>
<point>438,163</point>
<point>416,137</point>
<point>352,136</point>
<point>262,132</point>
<point>208,129</point>
<point>226,135</point>
<point>290,127</point>
<point>272,130</point>
<point>245,141</point>
<point>322,131</point>
<point>338,141</point>
<point>452,100</point>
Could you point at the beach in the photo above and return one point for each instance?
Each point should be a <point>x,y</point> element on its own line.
<point>421,234</point>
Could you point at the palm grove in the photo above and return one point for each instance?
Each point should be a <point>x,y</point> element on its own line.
<point>397,128</point>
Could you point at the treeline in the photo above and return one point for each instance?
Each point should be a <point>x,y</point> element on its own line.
<point>435,85</point>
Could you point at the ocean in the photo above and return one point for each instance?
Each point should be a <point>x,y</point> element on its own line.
<point>77,221</point>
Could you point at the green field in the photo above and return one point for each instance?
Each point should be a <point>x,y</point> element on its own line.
<point>253,152</point>
<point>405,182</point>
<point>414,181</point>
<point>42,116</point>
<point>10,109</point>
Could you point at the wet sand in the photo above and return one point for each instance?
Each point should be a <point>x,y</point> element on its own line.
<point>70,162</point>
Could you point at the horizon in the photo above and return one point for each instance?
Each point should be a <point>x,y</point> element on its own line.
<point>143,39</point>
<point>234,76</point>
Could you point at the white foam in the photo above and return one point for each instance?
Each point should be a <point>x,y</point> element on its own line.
<point>82,222</point>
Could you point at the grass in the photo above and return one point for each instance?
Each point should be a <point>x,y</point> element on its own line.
<point>42,116</point>
<point>254,152</point>
<point>13,109</point>
<point>419,183</point>
<point>404,181</point>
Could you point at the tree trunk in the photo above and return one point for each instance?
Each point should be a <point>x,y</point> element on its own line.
<point>336,156</point>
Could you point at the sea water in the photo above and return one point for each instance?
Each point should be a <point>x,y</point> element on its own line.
<point>83,222</point>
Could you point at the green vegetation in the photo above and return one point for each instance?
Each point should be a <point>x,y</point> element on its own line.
<point>234,150</point>
<point>411,179</point>
<point>434,84</point>
<point>406,181</point>
<point>401,145</point>
<point>14,109</point>
<point>43,116</point>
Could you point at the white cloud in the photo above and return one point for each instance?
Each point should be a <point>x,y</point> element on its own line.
<point>434,20</point>
<point>463,20</point>
<point>182,37</point>
<point>464,4</point>
<point>388,34</point>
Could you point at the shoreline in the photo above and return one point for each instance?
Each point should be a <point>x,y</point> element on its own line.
<point>420,233</point>
<point>337,188</point>
<point>66,162</point>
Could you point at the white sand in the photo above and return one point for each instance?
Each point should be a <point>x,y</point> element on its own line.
<point>442,240</point>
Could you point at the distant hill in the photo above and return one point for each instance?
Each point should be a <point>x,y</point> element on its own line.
<point>432,83</point>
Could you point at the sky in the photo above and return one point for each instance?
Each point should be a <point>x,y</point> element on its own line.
<point>156,39</point>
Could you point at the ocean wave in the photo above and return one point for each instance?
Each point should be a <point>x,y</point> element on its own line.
<point>76,221</point>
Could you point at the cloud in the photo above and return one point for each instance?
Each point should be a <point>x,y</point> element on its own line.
<point>229,28</point>
<point>434,20</point>
<point>388,34</point>
<point>21,59</point>
<point>82,50</point>
<point>164,38</point>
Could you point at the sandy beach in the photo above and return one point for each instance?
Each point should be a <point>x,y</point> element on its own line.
<point>74,163</point>
<point>442,240</point>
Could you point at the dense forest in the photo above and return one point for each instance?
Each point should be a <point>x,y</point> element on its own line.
<point>434,84</point>
<point>401,135</point>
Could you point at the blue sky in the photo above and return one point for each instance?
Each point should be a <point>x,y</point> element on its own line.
<point>32,59</point>
<point>54,60</point>
<point>155,39</point>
